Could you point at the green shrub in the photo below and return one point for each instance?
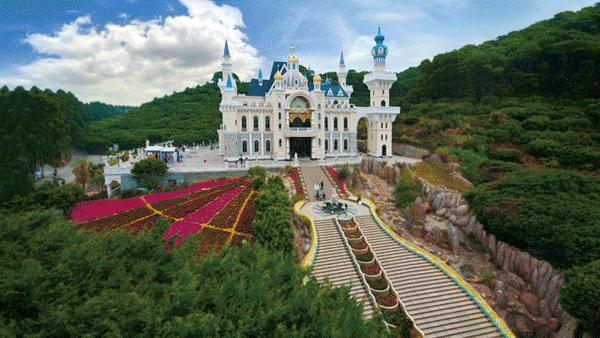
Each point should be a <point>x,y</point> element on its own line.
<point>552,214</point>
<point>60,281</point>
<point>580,295</point>
<point>406,190</point>
<point>150,172</point>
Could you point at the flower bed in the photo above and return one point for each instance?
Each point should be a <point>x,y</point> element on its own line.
<point>89,210</point>
<point>120,219</point>
<point>295,176</point>
<point>184,209</point>
<point>341,184</point>
<point>227,217</point>
<point>211,240</point>
<point>217,212</point>
<point>389,301</point>
<point>191,223</point>
<point>245,222</point>
<point>371,270</point>
<point>359,245</point>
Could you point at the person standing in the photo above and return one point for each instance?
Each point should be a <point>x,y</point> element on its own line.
<point>321,185</point>
<point>316,190</point>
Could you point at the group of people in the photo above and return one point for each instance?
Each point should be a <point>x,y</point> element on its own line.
<point>319,191</point>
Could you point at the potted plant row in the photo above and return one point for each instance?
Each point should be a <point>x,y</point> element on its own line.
<point>380,287</point>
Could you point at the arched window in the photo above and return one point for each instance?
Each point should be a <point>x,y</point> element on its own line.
<point>335,123</point>
<point>299,102</point>
<point>345,123</point>
<point>335,144</point>
<point>268,146</point>
<point>382,137</point>
<point>319,116</point>
<point>326,123</point>
<point>256,146</point>
<point>280,115</point>
<point>381,125</point>
<point>319,142</point>
<point>383,103</point>
<point>267,123</point>
<point>335,101</point>
<point>326,145</point>
<point>280,142</point>
<point>244,124</point>
<point>345,144</point>
<point>255,123</point>
<point>244,146</point>
<point>279,105</point>
<point>319,106</point>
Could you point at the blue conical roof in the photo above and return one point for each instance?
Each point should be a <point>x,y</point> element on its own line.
<point>260,75</point>
<point>342,58</point>
<point>226,50</point>
<point>229,82</point>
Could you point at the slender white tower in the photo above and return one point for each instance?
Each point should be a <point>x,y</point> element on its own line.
<point>227,83</point>
<point>380,114</point>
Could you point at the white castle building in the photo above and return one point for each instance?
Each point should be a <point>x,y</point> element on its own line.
<point>287,115</point>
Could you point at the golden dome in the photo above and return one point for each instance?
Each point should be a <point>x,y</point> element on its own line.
<point>317,78</point>
<point>292,58</point>
<point>278,76</point>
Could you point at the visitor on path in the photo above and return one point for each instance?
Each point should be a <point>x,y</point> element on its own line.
<point>316,190</point>
<point>321,185</point>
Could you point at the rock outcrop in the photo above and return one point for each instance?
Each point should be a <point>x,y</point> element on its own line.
<point>530,282</point>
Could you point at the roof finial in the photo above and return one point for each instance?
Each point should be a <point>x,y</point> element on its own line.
<point>378,29</point>
<point>342,58</point>
<point>292,50</point>
<point>260,75</point>
<point>226,50</point>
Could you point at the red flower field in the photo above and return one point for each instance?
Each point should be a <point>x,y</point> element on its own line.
<point>216,212</point>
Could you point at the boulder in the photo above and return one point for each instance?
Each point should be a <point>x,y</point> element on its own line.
<point>462,210</point>
<point>515,281</point>
<point>531,303</point>
<point>453,239</point>
<point>545,309</point>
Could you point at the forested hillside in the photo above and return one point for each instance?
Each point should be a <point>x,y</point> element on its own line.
<point>185,117</point>
<point>99,110</point>
<point>552,58</point>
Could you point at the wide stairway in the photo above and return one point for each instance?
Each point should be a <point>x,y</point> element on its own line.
<point>314,174</point>
<point>437,305</point>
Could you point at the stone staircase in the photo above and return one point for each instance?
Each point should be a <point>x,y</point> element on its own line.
<point>333,262</point>
<point>438,306</point>
<point>312,174</point>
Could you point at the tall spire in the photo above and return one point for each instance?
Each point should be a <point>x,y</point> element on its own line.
<point>260,75</point>
<point>342,58</point>
<point>226,50</point>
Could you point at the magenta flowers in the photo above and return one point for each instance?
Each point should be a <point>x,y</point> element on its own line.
<point>216,212</point>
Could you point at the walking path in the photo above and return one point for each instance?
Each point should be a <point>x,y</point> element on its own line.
<point>436,303</point>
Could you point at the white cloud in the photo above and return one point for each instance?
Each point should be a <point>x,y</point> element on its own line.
<point>133,62</point>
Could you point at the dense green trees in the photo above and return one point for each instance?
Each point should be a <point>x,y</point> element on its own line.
<point>185,117</point>
<point>272,225</point>
<point>150,172</point>
<point>551,213</point>
<point>98,110</point>
<point>556,57</point>
<point>580,295</point>
<point>38,127</point>
<point>63,282</point>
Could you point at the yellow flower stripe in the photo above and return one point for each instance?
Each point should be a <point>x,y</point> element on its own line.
<point>311,254</point>
<point>239,215</point>
<point>487,310</point>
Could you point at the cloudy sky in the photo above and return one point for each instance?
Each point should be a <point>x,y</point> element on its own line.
<point>130,51</point>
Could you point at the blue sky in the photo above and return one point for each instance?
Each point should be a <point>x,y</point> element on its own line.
<point>129,51</point>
